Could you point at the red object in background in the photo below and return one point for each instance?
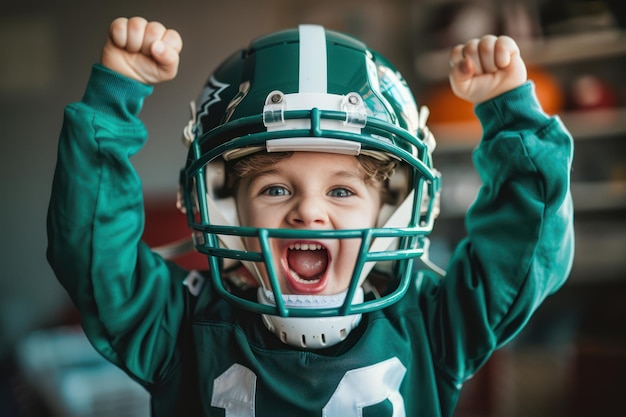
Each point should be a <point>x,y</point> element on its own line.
<point>165,224</point>
<point>590,92</point>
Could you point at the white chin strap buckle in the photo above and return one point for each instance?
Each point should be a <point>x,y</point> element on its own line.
<point>311,332</point>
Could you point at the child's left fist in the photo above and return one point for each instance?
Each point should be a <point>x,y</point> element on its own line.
<point>484,68</point>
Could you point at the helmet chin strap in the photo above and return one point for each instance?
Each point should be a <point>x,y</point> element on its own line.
<point>311,332</point>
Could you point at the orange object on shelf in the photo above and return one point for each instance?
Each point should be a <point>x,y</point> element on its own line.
<point>549,91</point>
<point>446,107</point>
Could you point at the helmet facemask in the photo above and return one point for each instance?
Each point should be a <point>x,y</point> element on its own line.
<point>350,123</point>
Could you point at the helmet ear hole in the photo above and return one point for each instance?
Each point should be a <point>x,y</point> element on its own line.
<point>223,202</point>
<point>398,183</point>
<point>385,213</point>
<point>215,175</point>
<point>397,190</point>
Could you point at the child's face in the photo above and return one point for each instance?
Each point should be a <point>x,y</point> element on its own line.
<point>319,191</point>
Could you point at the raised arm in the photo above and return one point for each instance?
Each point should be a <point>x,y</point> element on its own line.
<point>131,301</point>
<point>520,243</point>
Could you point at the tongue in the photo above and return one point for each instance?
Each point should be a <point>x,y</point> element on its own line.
<point>308,264</point>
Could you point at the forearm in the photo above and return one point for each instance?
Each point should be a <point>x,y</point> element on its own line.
<point>124,292</point>
<point>89,177</point>
<point>519,243</point>
<point>521,224</point>
<point>520,235</point>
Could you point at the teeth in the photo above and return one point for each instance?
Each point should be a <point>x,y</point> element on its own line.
<point>297,278</point>
<point>305,246</point>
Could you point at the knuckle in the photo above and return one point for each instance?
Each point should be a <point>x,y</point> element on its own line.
<point>155,29</point>
<point>486,45</point>
<point>137,23</point>
<point>471,47</point>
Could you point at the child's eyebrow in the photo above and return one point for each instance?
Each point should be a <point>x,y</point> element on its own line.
<point>348,174</point>
<point>264,173</point>
<point>341,173</point>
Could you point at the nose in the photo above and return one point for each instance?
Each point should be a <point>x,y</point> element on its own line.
<point>308,212</point>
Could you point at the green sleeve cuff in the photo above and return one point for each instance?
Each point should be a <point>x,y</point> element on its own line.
<point>514,110</point>
<point>114,94</point>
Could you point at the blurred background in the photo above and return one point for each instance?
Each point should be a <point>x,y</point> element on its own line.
<point>569,361</point>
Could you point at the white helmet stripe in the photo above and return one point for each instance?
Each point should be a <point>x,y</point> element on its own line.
<point>313,68</point>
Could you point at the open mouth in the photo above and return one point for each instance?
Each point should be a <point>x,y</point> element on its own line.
<point>305,265</point>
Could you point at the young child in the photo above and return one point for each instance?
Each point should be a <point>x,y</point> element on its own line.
<point>309,185</point>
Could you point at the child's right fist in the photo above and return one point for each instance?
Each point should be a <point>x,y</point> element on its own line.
<point>485,68</point>
<point>145,51</point>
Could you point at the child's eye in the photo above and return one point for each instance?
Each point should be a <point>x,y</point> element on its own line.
<point>276,191</point>
<point>340,192</point>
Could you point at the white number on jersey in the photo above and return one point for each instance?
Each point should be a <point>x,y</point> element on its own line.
<point>235,390</point>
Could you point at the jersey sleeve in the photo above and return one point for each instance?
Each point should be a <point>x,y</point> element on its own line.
<point>520,241</point>
<point>130,300</point>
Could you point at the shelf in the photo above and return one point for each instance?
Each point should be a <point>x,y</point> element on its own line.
<point>434,65</point>
<point>599,196</point>
<point>576,47</point>
<point>589,197</point>
<point>451,137</point>
<point>595,124</point>
<point>583,125</point>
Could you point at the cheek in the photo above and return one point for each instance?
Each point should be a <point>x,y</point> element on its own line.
<point>257,215</point>
<point>367,214</point>
<point>252,216</point>
<point>377,204</point>
<point>245,215</point>
<point>250,212</point>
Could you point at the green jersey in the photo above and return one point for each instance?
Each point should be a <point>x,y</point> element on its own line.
<point>200,356</point>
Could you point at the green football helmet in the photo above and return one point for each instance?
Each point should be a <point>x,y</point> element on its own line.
<point>309,89</point>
